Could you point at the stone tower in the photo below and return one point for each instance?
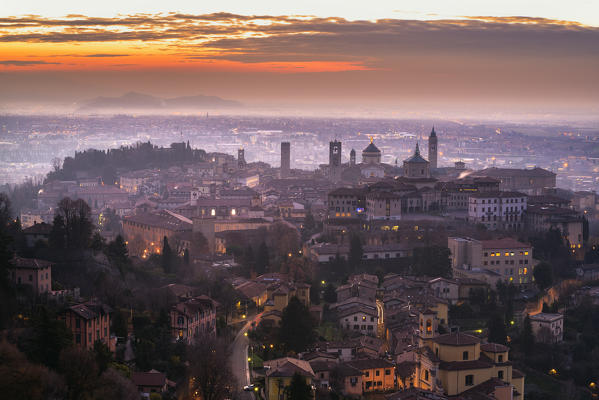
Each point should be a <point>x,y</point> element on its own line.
<point>285,159</point>
<point>432,149</point>
<point>352,158</point>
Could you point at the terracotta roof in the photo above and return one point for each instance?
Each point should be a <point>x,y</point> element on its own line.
<point>318,354</point>
<point>30,263</point>
<point>370,363</point>
<point>493,348</point>
<point>505,243</point>
<point>513,172</point>
<point>151,378</point>
<point>288,366</point>
<point>38,229</point>
<point>457,339</point>
<point>347,370</point>
<point>319,366</point>
<point>516,374</point>
<point>498,194</point>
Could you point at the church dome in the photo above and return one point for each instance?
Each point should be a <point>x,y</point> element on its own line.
<point>371,148</point>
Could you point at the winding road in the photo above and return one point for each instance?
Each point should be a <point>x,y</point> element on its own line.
<point>239,358</point>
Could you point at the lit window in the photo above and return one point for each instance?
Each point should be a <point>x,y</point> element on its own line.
<point>526,253</point>
<point>507,254</point>
<point>525,271</point>
<point>233,211</point>
<point>213,212</point>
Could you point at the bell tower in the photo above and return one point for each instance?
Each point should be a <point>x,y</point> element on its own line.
<point>432,149</point>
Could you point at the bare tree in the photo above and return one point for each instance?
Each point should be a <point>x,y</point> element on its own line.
<point>56,164</point>
<point>209,372</point>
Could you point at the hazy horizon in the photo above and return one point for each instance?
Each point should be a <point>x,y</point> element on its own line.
<point>455,67</point>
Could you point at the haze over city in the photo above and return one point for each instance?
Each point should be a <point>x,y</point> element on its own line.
<point>316,200</point>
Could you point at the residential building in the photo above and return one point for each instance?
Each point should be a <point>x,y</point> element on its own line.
<point>32,272</point>
<point>457,362</point>
<point>279,373</point>
<point>383,205</point>
<point>548,327</point>
<point>510,259</point>
<point>38,232</point>
<point>351,379</point>
<point>346,203</point>
<point>150,382</point>
<point>530,181</point>
<point>567,221</point>
<point>193,319</point>
<point>359,318</point>
<point>378,375</point>
<point>498,210</point>
<point>89,322</point>
<point>146,231</point>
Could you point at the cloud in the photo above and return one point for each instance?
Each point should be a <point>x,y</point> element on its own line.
<point>24,63</point>
<point>106,55</point>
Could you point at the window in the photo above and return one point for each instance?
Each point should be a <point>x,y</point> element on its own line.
<point>387,372</point>
<point>367,374</point>
<point>426,374</point>
<point>355,318</point>
<point>89,337</point>
<point>78,338</point>
<point>465,355</point>
<point>500,374</point>
<point>378,372</point>
<point>30,278</point>
<point>500,358</point>
<point>77,323</point>
<point>469,380</point>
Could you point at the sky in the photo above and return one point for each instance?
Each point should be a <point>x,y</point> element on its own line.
<point>541,56</point>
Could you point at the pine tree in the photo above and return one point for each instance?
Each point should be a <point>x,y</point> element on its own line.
<point>527,339</point>
<point>262,259</point>
<point>167,256</point>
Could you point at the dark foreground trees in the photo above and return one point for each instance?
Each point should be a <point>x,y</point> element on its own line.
<point>297,326</point>
<point>209,373</point>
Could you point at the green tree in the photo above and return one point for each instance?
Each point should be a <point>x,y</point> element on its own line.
<point>432,261</point>
<point>166,259</point>
<point>527,340</point>
<point>315,294</point>
<point>118,254</point>
<point>543,274</point>
<point>119,323</point>
<point>97,242</point>
<point>103,356</point>
<point>298,389</point>
<point>80,371</point>
<point>330,295</point>
<point>58,234</point>
<point>497,330</point>
<point>77,222</point>
<point>356,252</point>
<point>48,337</point>
<point>296,332</point>
<point>7,297</point>
<point>262,259</point>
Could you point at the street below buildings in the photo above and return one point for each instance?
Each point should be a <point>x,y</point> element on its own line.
<point>239,359</point>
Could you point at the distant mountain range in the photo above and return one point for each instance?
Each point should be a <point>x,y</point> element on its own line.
<point>140,101</point>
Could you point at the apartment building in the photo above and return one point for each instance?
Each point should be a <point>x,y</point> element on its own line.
<point>498,210</point>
